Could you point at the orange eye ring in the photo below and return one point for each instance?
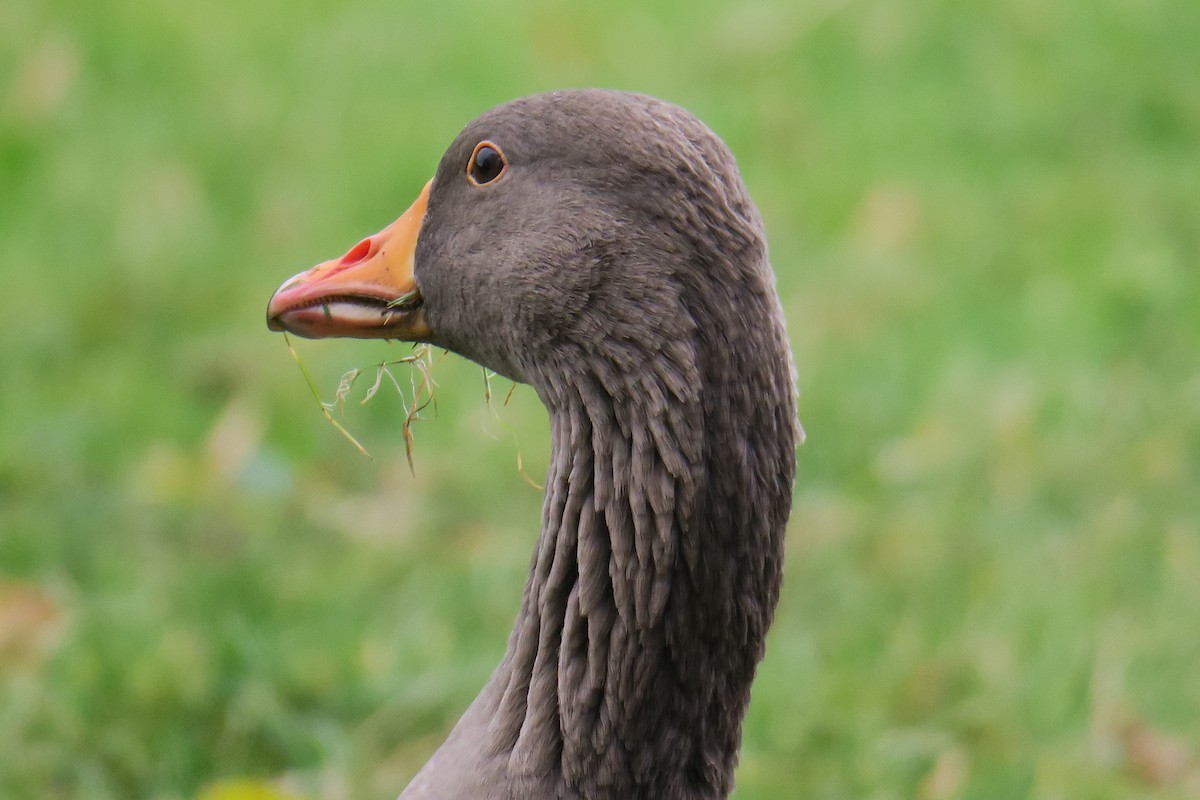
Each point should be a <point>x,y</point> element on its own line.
<point>487,164</point>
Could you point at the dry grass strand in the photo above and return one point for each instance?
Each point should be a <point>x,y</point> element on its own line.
<point>421,392</point>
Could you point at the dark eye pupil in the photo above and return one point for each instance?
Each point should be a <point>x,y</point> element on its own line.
<point>487,165</point>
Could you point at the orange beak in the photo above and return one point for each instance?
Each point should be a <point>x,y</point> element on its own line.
<point>369,293</point>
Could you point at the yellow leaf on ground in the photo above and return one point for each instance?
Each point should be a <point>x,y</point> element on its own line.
<point>245,790</point>
<point>29,622</point>
<point>1154,757</point>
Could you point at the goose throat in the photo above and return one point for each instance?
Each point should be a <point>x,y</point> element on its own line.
<point>648,599</point>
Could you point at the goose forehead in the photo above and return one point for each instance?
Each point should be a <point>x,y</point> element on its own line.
<point>586,122</point>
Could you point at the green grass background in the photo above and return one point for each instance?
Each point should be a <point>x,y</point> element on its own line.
<point>985,219</point>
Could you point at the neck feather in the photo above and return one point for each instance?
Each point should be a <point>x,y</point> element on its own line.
<point>657,569</point>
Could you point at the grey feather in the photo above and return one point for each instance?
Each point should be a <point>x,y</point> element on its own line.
<point>620,268</point>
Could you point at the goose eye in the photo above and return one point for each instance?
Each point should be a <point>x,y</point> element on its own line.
<point>486,165</point>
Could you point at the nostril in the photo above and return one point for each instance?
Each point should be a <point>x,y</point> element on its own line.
<point>357,253</point>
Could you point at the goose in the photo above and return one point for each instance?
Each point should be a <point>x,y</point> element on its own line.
<point>601,247</point>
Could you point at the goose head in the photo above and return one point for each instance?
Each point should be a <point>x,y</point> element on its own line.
<point>555,224</point>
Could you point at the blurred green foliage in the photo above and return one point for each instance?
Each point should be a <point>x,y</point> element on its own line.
<point>985,218</point>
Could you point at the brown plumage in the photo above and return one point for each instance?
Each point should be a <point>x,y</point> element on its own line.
<point>604,250</point>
